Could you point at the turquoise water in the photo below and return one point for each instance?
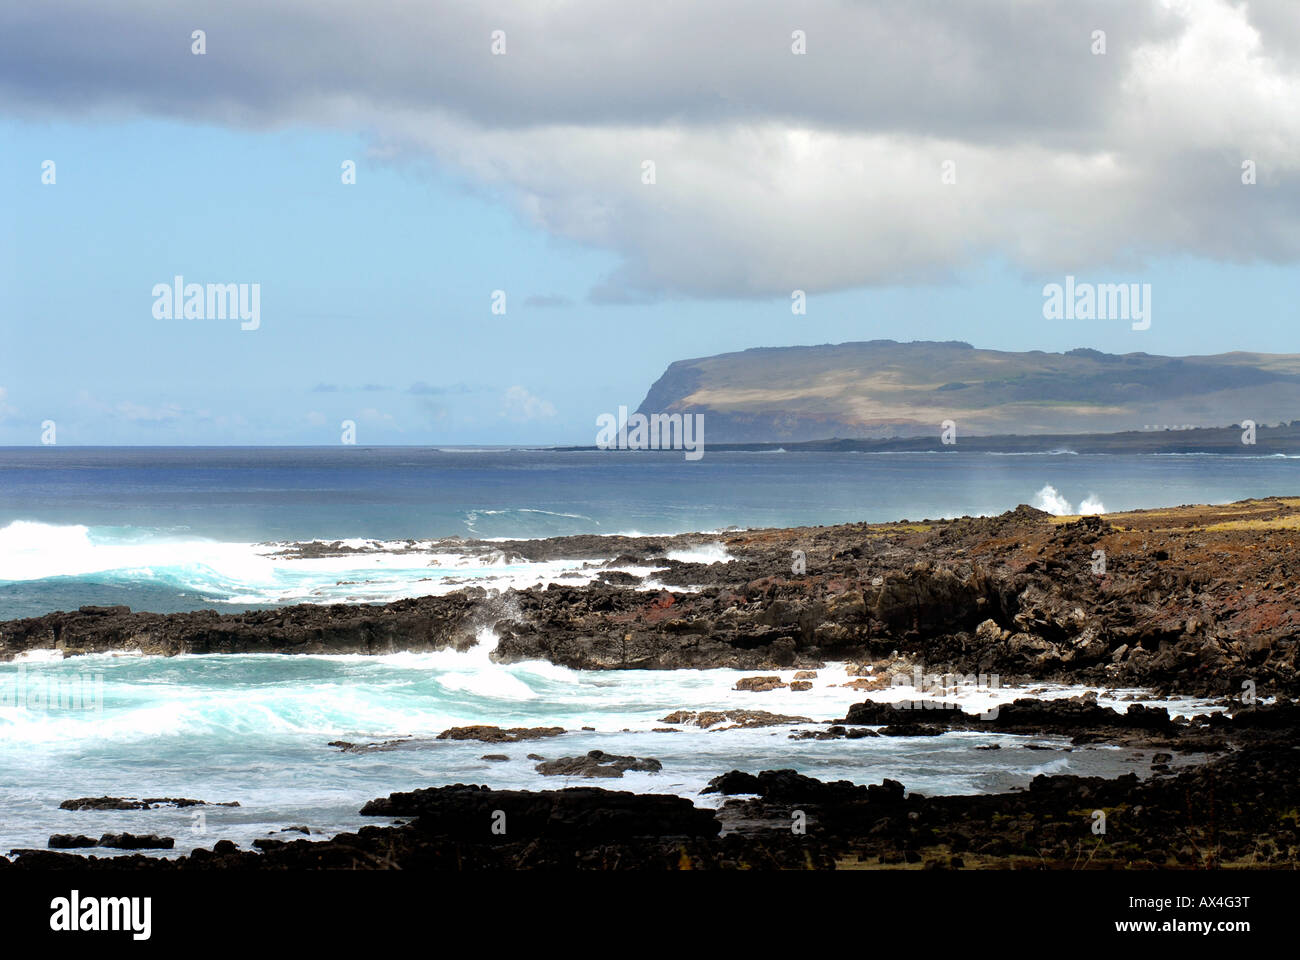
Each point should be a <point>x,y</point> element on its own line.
<point>256,729</point>
<point>169,529</point>
<point>182,529</point>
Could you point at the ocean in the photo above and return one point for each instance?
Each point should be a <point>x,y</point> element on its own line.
<point>173,529</point>
<point>256,729</point>
<point>181,529</point>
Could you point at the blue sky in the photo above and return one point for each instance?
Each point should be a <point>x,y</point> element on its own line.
<point>375,297</point>
<point>387,283</point>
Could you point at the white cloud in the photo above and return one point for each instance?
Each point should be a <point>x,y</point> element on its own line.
<point>520,405</point>
<point>148,413</point>
<point>135,412</point>
<point>774,171</point>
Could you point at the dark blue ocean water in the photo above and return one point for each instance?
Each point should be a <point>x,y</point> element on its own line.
<point>136,525</point>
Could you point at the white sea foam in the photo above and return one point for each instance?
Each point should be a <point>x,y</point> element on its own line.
<point>1050,500</point>
<point>251,573</point>
<point>703,553</point>
<point>39,656</point>
<point>473,517</point>
<point>256,728</point>
<point>1091,505</point>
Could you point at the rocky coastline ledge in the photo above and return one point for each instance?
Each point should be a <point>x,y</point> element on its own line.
<point>1198,600</point>
<point>1238,810</point>
<point>1188,601</point>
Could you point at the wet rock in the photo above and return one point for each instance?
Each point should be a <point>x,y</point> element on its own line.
<point>759,684</point>
<point>834,732</point>
<point>867,683</point>
<point>1012,595</point>
<point>619,577</point>
<point>597,763</point>
<point>381,747</point>
<point>735,719</point>
<point>584,814</point>
<point>102,803</point>
<point>131,841</point>
<point>130,803</point>
<point>1174,821</point>
<point>488,734</point>
<point>911,730</point>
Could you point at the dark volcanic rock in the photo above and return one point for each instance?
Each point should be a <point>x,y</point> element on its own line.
<point>103,803</point>
<point>1193,600</point>
<point>130,803</point>
<point>131,841</point>
<point>597,763</point>
<point>834,732</point>
<point>911,730</point>
<point>497,735</point>
<point>423,624</point>
<point>790,786</point>
<point>467,810</point>
<point>619,577</point>
<point>69,841</point>
<point>759,684</point>
<point>1065,717</point>
<point>1237,810</point>
<point>733,718</point>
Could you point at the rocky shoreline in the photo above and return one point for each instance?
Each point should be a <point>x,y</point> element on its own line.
<point>1237,810</point>
<point>1188,601</point>
<point>1194,600</point>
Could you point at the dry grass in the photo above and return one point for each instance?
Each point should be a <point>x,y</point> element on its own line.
<point>1279,513</point>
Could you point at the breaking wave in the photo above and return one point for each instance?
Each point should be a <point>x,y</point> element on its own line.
<point>251,573</point>
<point>1050,500</point>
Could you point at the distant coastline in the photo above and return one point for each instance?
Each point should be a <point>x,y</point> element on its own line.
<point>1283,439</point>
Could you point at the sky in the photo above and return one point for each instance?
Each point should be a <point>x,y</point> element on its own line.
<point>921,171</point>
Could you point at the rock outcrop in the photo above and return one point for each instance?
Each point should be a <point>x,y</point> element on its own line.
<point>1194,600</point>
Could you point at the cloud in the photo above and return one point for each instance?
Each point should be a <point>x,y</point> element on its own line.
<point>434,411</point>
<point>142,413</point>
<point>519,405</point>
<point>773,172</point>
<point>148,413</point>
